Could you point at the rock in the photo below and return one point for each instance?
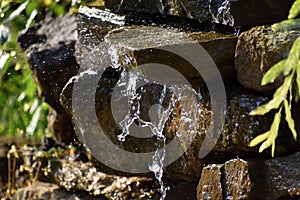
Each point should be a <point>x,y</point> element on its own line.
<point>282,177</point>
<point>232,12</point>
<point>237,179</point>
<point>49,191</point>
<point>108,30</point>
<point>186,8</point>
<point>239,128</point>
<point>60,124</point>
<point>84,177</point>
<point>185,190</point>
<point>242,13</point>
<point>210,186</point>
<point>49,49</point>
<point>253,179</point>
<point>112,89</point>
<point>257,50</point>
<point>51,31</point>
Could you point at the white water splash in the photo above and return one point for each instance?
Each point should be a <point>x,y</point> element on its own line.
<point>223,14</point>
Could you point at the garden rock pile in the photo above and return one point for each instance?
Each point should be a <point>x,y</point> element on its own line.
<point>107,45</point>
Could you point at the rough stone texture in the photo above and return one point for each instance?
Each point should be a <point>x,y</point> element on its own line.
<point>283,177</point>
<point>84,176</point>
<point>257,50</point>
<point>107,30</point>
<point>253,179</point>
<point>132,46</point>
<point>49,48</point>
<point>229,12</point>
<point>237,179</point>
<point>49,191</point>
<point>209,186</point>
<point>184,8</point>
<point>246,13</point>
<point>238,130</point>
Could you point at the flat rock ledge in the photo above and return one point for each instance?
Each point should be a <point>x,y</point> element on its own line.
<point>229,12</point>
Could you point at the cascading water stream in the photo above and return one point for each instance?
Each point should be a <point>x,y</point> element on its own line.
<point>130,79</point>
<point>131,88</point>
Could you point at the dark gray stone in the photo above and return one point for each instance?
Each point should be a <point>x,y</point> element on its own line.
<point>185,8</point>
<point>228,12</point>
<point>106,30</point>
<point>50,51</point>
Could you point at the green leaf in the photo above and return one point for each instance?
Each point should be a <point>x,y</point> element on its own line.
<point>295,50</point>
<point>297,82</point>
<point>278,98</point>
<point>286,25</point>
<point>3,60</point>
<point>31,6</point>
<point>274,72</point>
<point>291,63</point>
<point>289,119</point>
<point>31,18</point>
<point>259,139</point>
<point>295,10</point>
<point>17,12</point>
<point>273,133</point>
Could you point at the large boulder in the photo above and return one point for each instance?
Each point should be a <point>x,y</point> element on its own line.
<point>50,50</point>
<point>257,50</point>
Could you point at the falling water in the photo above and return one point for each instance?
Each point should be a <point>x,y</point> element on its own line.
<point>130,81</point>
<point>222,15</point>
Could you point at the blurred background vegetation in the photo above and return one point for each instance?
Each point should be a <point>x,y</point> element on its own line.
<point>22,112</point>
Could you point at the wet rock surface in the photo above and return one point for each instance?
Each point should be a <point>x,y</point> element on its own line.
<point>185,8</point>
<point>114,89</point>
<point>138,43</point>
<point>50,191</point>
<point>253,179</point>
<point>257,50</point>
<point>126,48</point>
<point>209,186</point>
<point>232,12</point>
<point>50,50</point>
<point>70,176</point>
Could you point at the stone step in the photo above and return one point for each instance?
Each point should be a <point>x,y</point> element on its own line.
<point>228,12</point>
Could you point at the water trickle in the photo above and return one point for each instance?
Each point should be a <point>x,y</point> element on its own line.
<point>221,13</point>
<point>130,82</point>
<point>134,90</point>
<point>237,31</point>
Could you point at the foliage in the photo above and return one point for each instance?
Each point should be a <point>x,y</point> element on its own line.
<point>284,95</point>
<point>291,22</point>
<point>21,110</point>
